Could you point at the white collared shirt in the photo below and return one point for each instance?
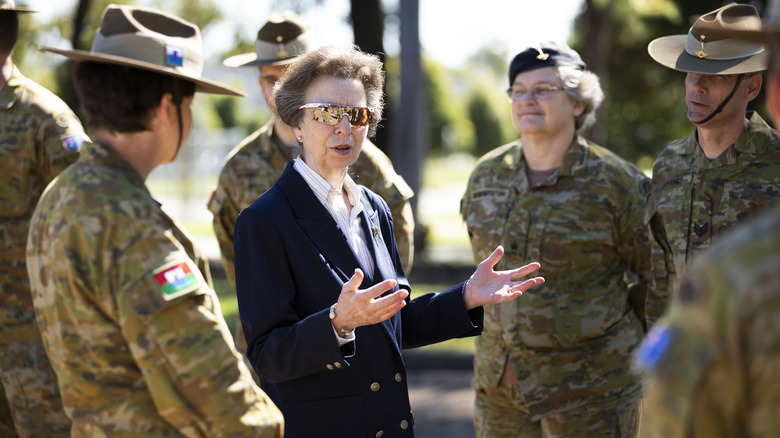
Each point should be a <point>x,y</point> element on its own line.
<point>349,222</point>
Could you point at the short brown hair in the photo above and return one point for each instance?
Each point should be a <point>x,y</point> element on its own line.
<point>9,30</point>
<point>121,98</point>
<point>338,62</point>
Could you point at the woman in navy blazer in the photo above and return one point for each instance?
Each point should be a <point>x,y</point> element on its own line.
<point>322,295</point>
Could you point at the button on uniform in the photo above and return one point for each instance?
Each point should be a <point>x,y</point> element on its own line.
<point>375,386</point>
<point>337,364</point>
<point>398,377</point>
<point>380,434</point>
<point>329,366</point>
<point>404,424</point>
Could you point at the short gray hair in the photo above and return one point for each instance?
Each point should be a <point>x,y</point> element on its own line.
<point>583,86</point>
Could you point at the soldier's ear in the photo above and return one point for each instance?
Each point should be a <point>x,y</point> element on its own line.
<point>754,83</point>
<point>161,114</point>
<point>773,95</point>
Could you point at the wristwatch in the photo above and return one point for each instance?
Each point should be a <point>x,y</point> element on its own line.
<point>345,334</point>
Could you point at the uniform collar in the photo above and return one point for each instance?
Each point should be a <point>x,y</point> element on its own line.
<point>751,139</point>
<point>289,153</point>
<point>574,161</point>
<point>103,155</point>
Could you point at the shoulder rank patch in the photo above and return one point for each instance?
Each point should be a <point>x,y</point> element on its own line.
<point>176,279</point>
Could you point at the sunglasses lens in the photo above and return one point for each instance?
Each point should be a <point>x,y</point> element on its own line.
<point>332,115</point>
<point>358,116</point>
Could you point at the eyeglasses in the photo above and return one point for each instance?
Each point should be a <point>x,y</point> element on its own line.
<point>541,92</point>
<point>331,114</point>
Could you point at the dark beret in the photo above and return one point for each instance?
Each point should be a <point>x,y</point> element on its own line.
<point>547,54</point>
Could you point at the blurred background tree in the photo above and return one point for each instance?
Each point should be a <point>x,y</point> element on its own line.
<point>465,109</point>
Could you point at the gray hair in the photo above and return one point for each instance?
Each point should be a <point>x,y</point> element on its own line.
<point>583,86</point>
<point>338,62</point>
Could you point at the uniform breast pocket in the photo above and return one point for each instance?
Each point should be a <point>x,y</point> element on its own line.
<point>485,213</point>
<point>742,199</point>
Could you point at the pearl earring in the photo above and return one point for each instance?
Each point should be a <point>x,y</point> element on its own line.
<point>300,139</point>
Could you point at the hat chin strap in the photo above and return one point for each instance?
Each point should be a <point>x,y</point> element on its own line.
<point>725,102</point>
<point>178,98</point>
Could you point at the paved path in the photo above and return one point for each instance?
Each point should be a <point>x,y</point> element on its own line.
<point>442,402</point>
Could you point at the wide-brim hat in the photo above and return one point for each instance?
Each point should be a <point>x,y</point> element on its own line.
<point>152,40</point>
<point>710,48</point>
<point>282,39</point>
<point>770,26</point>
<point>9,5</point>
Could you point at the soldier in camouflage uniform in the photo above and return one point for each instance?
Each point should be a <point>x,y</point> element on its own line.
<point>39,137</point>
<point>712,361</point>
<point>729,168</point>
<point>124,300</point>
<point>257,162</point>
<point>558,363</point>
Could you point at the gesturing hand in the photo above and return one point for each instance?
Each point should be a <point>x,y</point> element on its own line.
<point>489,287</point>
<point>358,307</point>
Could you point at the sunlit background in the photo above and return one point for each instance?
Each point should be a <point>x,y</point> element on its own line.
<point>465,51</point>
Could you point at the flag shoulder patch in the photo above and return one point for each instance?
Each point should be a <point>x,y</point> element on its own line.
<point>177,279</point>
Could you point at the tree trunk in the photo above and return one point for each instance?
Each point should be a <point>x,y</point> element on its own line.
<point>368,30</point>
<point>408,150</point>
<point>595,52</point>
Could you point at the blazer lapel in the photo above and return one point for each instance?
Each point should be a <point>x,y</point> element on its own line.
<point>318,224</point>
<point>384,268</point>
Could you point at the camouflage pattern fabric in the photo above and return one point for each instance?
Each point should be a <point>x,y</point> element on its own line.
<point>711,363</point>
<point>696,200</point>
<point>39,137</point>
<point>571,340</point>
<point>497,412</point>
<point>257,162</point>
<point>128,316</point>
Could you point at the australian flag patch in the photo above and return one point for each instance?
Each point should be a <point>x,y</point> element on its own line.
<point>73,142</point>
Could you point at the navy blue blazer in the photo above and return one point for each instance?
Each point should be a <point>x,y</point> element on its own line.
<point>291,261</point>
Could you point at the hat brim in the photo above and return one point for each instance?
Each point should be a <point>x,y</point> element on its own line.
<point>767,31</point>
<point>250,60</point>
<point>669,51</point>
<point>18,9</point>
<point>201,85</point>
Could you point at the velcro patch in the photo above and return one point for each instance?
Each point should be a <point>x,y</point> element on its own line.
<point>175,280</point>
<point>174,55</point>
<point>491,193</point>
<point>654,347</point>
<point>73,142</point>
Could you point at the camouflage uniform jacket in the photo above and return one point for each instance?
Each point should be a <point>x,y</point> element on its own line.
<point>712,361</point>
<point>695,200</point>
<point>570,340</point>
<point>39,137</point>
<point>128,316</point>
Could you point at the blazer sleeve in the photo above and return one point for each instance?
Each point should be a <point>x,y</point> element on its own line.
<point>282,343</point>
<point>431,317</point>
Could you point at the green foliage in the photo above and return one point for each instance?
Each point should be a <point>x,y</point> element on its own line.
<point>450,129</point>
<point>487,122</point>
<point>227,111</point>
<point>467,107</point>
<point>644,107</point>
